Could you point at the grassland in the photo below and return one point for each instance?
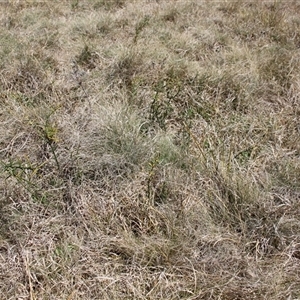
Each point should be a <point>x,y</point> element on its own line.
<point>150,150</point>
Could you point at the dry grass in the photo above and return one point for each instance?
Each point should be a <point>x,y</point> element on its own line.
<point>150,150</point>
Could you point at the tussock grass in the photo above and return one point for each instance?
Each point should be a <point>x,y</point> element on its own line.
<point>149,150</point>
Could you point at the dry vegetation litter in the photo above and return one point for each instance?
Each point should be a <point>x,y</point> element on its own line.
<point>150,150</point>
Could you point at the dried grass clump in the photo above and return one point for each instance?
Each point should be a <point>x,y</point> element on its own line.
<point>149,150</point>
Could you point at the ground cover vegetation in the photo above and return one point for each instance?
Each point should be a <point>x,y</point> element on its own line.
<point>149,149</point>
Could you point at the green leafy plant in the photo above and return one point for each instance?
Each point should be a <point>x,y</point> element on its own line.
<point>160,111</point>
<point>25,173</point>
<point>48,132</point>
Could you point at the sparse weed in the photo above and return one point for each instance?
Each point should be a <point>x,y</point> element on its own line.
<point>48,132</point>
<point>23,172</point>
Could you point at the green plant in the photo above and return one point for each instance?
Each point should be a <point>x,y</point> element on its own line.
<point>25,173</point>
<point>109,4</point>
<point>86,58</point>
<point>124,69</point>
<point>140,26</point>
<point>277,67</point>
<point>153,165</point>
<point>74,4</point>
<point>171,15</point>
<point>104,26</point>
<point>48,132</point>
<point>160,110</point>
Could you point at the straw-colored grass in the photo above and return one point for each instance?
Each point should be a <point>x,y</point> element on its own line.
<point>150,150</point>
